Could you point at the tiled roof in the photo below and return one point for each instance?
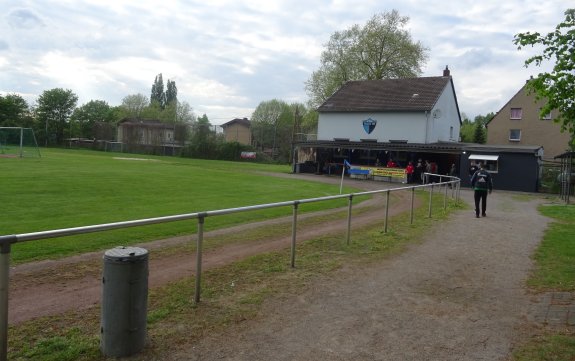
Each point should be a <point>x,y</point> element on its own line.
<point>408,94</point>
<point>241,121</point>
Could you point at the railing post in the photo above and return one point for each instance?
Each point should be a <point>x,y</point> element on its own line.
<point>200,240</point>
<point>430,200</point>
<point>445,198</point>
<point>5,248</point>
<point>412,200</point>
<point>293,233</point>
<point>350,202</point>
<point>386,210</point>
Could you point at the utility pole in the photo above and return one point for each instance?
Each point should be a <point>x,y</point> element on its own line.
<point>294,131</point>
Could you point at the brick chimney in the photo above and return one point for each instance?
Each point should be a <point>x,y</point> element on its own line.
<point>446,71</point>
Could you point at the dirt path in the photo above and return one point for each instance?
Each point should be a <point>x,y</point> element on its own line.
<point>457,296</point>
<point>55,286</point>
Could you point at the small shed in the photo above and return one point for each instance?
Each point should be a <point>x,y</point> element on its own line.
<point>513,168</point>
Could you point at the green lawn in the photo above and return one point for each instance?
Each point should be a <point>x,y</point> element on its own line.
<point>71,188</point>
<point>556,255</point>
<point>231,294</point>
<point>554,271</point>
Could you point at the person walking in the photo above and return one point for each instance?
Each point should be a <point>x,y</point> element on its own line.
<point>482,183</point>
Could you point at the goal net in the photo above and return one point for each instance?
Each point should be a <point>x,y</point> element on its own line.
<point>18,142</point>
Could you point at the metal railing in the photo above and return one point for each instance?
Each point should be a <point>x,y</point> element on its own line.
<point>6,241</point>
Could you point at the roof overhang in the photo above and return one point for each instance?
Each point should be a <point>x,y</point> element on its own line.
<point>443,147</point>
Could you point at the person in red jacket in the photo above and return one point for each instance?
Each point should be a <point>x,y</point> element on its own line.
<point>409,171</point>
<point>391,164</point>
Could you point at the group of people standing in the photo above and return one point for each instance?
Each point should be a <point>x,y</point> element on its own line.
<point>481,180</point>
<point>416,174</point>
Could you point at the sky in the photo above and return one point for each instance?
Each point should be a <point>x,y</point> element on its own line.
<point>228,56</point>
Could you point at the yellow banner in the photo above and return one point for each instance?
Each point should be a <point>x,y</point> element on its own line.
<point>388,172</point>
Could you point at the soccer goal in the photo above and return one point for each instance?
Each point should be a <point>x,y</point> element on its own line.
<point>18,142</point>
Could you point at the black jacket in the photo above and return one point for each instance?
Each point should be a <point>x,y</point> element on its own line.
<point>481,180</point>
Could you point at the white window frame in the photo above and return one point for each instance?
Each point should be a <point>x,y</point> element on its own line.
<point>545,117</point>
<point>490,162</point>
<point>520,110</point>
<point>518,139</point>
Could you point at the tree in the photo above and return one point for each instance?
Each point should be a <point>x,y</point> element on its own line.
<point>467,129</point>
<point>308,124</point>
<point>158,96</point>
<point>90,114</point>
<point>185,113</point>
<point>265,121</point>
<point>134,105</point>
<point>54,109</point>
<point>171,93</point>
<point>381,49</point>
<point>274,127</point>
<point>474,131</point>
<point>203,140</point>
<point>14,111</point>
<point>479,135</point>
<point>557,87</point>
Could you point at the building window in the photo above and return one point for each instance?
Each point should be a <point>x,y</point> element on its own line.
<point>516,113</point>
<point>450,132</point>
<point>515,135</point>
<point>546,116</point>
<point>490,162</point>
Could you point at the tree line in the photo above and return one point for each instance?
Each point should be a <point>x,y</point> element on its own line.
<point>56,115</point>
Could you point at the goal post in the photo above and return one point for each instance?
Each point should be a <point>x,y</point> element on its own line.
<point>18,142</point>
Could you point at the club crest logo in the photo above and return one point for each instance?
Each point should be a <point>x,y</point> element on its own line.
<point>369,125</point>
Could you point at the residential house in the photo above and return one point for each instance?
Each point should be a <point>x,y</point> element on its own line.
<point>148,136</point>
<point>368,122</point>
<point>519,123</point>
<point>414,110</point>
<point>238,130</point>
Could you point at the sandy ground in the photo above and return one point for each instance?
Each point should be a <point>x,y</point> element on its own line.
<point>460,295</point>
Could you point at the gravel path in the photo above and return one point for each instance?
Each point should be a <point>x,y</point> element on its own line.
<point>459,295</point>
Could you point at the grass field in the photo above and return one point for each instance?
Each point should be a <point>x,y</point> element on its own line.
<point>231,294</point>
<point>71,188</point>
<point>555,271</point>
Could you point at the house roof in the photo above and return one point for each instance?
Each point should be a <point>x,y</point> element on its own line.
<point>509,101</point>
<point>503,148</point>
<point>149,123</point>
<point>240,121</point>
<point>407,94</point>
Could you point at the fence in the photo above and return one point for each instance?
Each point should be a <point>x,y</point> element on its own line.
<point>7,240</point>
